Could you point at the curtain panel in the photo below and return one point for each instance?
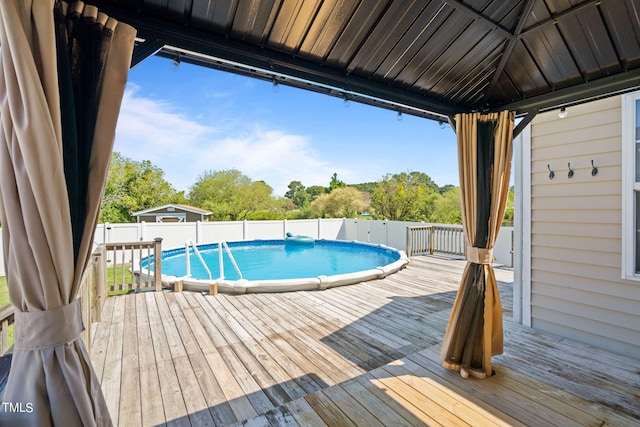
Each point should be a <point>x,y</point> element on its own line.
<point>63,69</point>
<point>474,332</point>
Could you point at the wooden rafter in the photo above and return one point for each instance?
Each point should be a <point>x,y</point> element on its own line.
<point>511,44</point>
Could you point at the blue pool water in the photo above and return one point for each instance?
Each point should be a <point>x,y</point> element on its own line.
<point>273,260</point>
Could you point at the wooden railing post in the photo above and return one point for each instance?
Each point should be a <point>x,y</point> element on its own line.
<point>99,288</point>
<point>157,263</point>
<point>431,240</point>
<point>6,319</point>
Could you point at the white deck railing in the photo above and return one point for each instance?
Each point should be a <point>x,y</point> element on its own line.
<point>119,265</point>
<point>6,320</point>
<point>91,293</point>
<point>430,239</point>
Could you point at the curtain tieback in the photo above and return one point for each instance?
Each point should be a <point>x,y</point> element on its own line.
<point>39,330</point>
<point>479,255</point>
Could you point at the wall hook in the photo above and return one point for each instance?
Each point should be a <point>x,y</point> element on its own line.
<point>570,174</point>
<point>594,170</point>
<point>551,173</point>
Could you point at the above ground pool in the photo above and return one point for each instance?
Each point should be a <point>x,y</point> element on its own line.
<point>278,265</point>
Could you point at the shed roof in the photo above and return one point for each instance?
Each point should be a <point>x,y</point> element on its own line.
<point>187,208</point>
<point>431,58</point>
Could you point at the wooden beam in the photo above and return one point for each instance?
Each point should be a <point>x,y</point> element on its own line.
<point>216,51</point>
<point>452,122</point>
<point>554,19</point>
<point>144,50</point>
<point>472,13</point>
<point>511,44</point>
<point>577,94</point>
<point>524,122</point>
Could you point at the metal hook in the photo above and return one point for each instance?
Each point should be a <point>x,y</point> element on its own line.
<point>594,170</point>
<point>570,174</point>
<point>551,173</point>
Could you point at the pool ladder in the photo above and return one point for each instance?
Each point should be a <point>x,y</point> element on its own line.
<point>221,244</point>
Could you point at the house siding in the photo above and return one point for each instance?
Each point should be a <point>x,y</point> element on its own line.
<point>576,229</point>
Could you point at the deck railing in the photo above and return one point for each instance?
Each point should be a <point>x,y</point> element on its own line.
<point>91,293</point>
<point>430,239</point>
<point>119,265</point>
<point>6,320</point>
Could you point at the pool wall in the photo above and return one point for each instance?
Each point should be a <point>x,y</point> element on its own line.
<point>282,285</point>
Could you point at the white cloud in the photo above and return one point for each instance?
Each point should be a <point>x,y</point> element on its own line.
<point>273,156</point>
<point>147,125</point>
<point>156,130</point>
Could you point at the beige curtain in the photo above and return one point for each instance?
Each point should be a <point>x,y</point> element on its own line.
<point>474,332</point>
<point>58,108</point>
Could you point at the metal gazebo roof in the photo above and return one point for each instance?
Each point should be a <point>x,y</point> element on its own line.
<point>427,58</point>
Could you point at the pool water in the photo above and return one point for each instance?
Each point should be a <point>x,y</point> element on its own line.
<point>273,260</point>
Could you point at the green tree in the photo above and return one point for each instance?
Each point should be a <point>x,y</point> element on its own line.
<point>424,179</point>
<point>132,186</point>
<point>400,196</point>
<point>510,209</point>
<point>343,202</point>
<point>297,194</point>
<point>335,183</point>
<point>314,191</point>
<point>445,188</point>
<point>230,195</point>
<point>367,187</point>
<point>308,212</point>
<point>447,208</point>
<point>428,207</point>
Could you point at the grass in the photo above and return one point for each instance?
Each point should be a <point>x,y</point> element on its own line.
<point>128,278</point>
<point>4,291</point>
<point>4,299</point>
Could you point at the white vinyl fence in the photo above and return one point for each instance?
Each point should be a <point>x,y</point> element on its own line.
<point>390,233</point>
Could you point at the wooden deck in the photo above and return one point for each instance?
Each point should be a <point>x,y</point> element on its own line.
<point>358,355</point>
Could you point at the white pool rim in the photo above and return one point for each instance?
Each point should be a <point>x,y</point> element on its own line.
<point>283,285</point>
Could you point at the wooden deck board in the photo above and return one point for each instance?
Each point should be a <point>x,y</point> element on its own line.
<point>130,398</point>
<point>112,374</point>
<point>236,398</point>
<point>364,354</point>
<point>274,360</point>
<point>100,341</point>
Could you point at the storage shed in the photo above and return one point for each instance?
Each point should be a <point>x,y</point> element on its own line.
<point>172,213</point>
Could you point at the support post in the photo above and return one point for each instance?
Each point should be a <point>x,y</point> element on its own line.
<point>178,286</point>
<point>431,240</point>
<point>157,261</point>
<point>213,289</point>
<point>99,289</point>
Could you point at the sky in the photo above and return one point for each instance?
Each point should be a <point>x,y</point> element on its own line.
<point>188,120</point>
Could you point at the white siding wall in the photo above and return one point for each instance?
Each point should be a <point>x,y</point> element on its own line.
<point>576,232</point>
